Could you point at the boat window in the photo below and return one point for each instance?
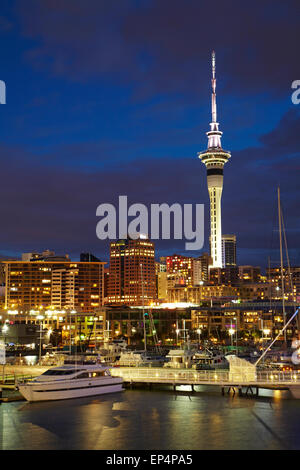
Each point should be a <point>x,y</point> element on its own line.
<point>58,372</point>
<point>98,374</point>
<point>83,375</point>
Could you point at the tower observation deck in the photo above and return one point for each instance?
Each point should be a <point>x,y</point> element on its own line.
<point>214,158</point>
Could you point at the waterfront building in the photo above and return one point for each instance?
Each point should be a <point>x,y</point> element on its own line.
<point>224,276</point>
<point>185,270</point>
<point>174,322</point>
<point>33,285</point>
<point>201,269</point>
<point>228,250</point>
<point>255,291</point>
<point>131,272</point>
<point>214,158</point>
<point>160,267</point>
<point>162,286</point>
<point>180,268</point>
<point>249,274</point>
<point>202,293</point>
<point>291,277</point>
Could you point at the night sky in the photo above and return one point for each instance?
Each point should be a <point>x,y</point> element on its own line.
<point>109,98</point>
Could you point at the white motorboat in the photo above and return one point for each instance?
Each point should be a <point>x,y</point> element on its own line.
<point>209,360</point>
<point>140,359</point>
<point>71,381</point>
<point>111,352</point>
<point>180,358</point>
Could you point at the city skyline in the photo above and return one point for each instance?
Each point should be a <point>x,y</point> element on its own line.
<point>79,129</point>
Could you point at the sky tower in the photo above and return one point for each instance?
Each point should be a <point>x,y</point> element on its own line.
<point>214,158</point>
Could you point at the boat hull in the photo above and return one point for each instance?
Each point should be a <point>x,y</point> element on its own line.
<point>33,392</point>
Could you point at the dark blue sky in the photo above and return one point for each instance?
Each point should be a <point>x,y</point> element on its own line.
<point>107,98</point>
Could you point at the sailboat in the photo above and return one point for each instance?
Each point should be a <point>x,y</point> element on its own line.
<point>283,356</point>
<point>282,229</point>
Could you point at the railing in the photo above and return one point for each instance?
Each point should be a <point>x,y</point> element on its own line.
<point>9,379</point>
<point>169,375</point>
<point>182,376</point>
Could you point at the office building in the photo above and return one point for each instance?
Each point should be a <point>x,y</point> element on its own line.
<point>131,273</point>
<point>34,285</point>
<point>228,250</point>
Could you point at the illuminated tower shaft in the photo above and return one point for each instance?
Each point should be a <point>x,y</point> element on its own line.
<point>214,159</point>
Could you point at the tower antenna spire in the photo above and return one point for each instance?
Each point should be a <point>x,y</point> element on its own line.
<point>214,158</point>
<point>213,84</point>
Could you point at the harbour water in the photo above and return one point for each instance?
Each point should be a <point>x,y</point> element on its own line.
<point>154,420</point>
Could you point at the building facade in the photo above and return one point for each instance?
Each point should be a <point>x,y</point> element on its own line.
<point>34,285</point>
<point>249,274</point>
<point>228,250</point>
<point>131,273</point>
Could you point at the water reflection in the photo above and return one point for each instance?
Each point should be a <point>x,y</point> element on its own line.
<point>142,419</point>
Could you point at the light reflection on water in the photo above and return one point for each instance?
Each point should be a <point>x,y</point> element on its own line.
<point>142,419</point>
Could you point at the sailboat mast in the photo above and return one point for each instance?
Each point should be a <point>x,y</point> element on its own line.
<point>281,263</point>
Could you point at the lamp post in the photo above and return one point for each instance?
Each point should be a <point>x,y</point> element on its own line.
<point>236,336</point>
<point>231,332</point>
<point>177,333</point>
<point>40,318</point>
<point>266,332</point>
<point>199,333</point>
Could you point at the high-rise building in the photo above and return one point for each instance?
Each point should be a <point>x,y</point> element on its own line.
<point>131,273</point>
<point>214,158</point>
<point>228,276</point>
<point>181,269</point>
<point>35,285</point>
<point>185,270</point>
<point>228,250</point>
<point>249,274</point>
<point>201,269</point>
<point>162,285</point>
<point>291,284</point>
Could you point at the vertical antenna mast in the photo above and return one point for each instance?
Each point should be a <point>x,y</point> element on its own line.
<point>144,319</point>
<point>213,84</point>
<point>281,263</point>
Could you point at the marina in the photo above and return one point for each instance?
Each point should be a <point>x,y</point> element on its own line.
<point>241,378</point>
<point>156,419</point>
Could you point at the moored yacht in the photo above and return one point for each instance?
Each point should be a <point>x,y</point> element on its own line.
<point>71,381</point>
<point>180,358</point>
<point>140,359</point>
<point>209,360</point>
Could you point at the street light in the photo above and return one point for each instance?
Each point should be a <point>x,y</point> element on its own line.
<point>236,335</point>
<point>231,332</point>
<point>199,333</point>
<point>40,317</point>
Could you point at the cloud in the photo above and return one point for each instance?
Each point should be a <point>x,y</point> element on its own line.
<point>54,206</point>
<point>163,47</point>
